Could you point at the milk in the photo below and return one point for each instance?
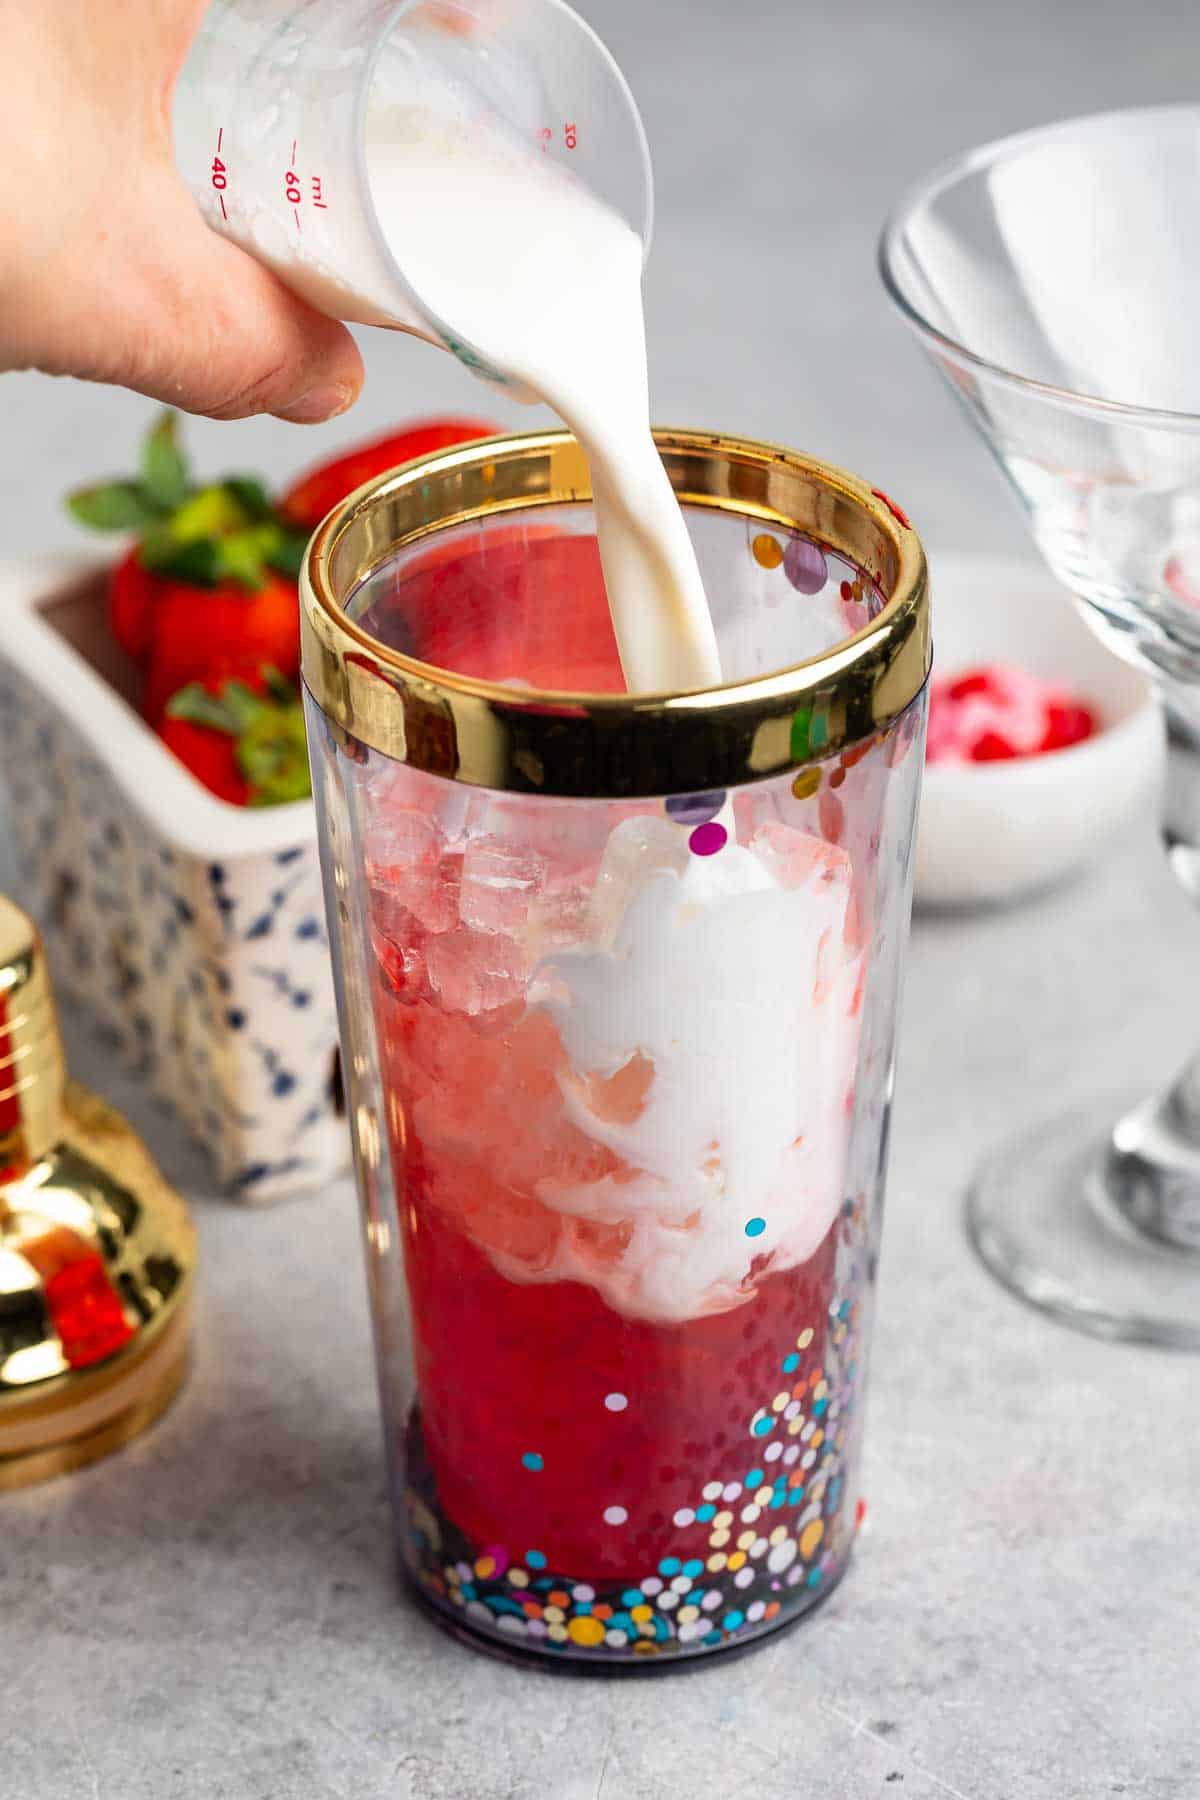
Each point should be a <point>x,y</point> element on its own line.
<point>734,980</point>
<point>545,282</point>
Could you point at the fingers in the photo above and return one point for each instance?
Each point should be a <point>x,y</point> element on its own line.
<point>239,342</point>
<point>187,318</point>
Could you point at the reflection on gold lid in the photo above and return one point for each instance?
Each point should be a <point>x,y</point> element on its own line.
<point>32,1074</point>
<point>96,1252</point>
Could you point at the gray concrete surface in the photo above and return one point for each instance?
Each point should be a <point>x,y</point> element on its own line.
<point>211,1616</point>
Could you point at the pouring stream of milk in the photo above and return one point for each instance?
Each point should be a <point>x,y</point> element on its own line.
<point>545,281</point>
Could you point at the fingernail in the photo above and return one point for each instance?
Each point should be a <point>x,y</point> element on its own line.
<point>325,401</point>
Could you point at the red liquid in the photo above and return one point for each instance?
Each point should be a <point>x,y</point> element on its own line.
<point>523,600</point>
<point>509,1371</point>
<point>521,1381</point>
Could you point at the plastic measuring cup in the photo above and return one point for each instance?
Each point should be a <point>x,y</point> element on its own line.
<point>270,124</point>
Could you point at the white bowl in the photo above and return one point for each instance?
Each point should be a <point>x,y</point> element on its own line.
<point>193,931</point>
<point>995,831</point>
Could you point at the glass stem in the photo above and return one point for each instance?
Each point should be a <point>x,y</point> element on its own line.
<point>1152,1174</point>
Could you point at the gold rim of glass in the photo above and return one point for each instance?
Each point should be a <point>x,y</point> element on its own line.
<point>613,746</point>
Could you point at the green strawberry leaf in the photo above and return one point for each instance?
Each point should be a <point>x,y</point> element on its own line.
<point>228,531</point>
<point>271,747</point>
<point>288,559</point>
<point>114,506</point>
<point>246,706</point>
<point>197,563</point>
<point>252,497</point>
<point>240,558</point>
<point>164,467</point>
<point>273,756</point>
<point>195,704</point>
<point>211,513</point>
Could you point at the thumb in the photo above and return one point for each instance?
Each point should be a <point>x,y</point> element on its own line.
<point>187,318</point>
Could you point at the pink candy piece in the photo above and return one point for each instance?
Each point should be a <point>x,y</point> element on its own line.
<point>706,840</point>
<point>999,712</point>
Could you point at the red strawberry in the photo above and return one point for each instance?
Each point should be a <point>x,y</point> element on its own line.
<point>130,605</point>
<point>211,756</point>
<point>209,590</point>
<point>317,493</point>
<point>243,739</point>
<point>219,633</point>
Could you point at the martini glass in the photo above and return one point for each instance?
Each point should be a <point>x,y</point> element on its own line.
<point>1054,278</point>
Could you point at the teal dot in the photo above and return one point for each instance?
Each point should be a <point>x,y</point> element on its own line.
<point>670,1565</point>
<point>733,1619</point>
<point>790,1363</point>
<point>755,1478</point>
<point>778,1498</point>
<point>632,1597</point>
<point>819,1407</point>
<point>706,1512</point>
<point>755,1227</point>
<point>536,1559</point>
<point>761,1427</point>
<point>693,1568</point>
<point>712,1637</point>
<point>531,1460</point>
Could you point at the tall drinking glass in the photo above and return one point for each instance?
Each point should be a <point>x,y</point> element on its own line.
<point>618,981</point>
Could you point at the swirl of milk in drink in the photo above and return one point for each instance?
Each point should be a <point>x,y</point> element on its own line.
<point>725,991</point>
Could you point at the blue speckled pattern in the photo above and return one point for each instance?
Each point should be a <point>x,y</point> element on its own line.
<point>211,980</point>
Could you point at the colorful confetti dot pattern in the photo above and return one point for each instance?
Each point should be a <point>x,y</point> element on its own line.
<point>748,1555</point>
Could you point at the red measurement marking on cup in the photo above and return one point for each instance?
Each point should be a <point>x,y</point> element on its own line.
<point>219,174</point>
<point>318,198</point>
<point>545,136</point>
<point>294,192</point>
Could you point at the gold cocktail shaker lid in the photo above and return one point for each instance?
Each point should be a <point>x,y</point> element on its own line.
<point>32,1072</point>
<point>97,1253</point>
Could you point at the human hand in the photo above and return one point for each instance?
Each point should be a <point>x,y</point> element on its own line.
<point>107,270</point>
